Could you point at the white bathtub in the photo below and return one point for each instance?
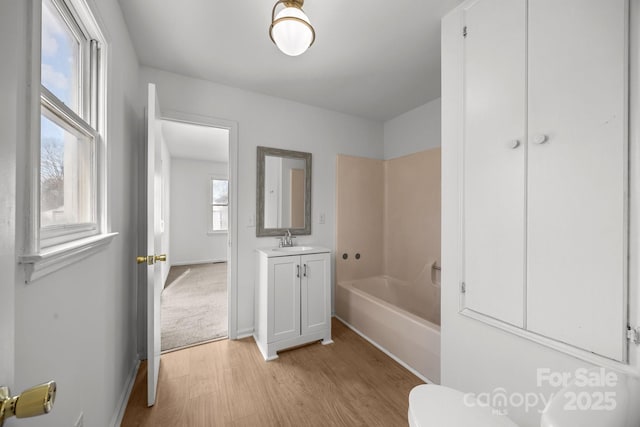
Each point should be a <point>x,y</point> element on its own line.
<point>396,316</point>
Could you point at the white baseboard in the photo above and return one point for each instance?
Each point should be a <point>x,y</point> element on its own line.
<point>118,415</point>
<point>206,261</point>
<point>244,333</point>
<point>385,351</point>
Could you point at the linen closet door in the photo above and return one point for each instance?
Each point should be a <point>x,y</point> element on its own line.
<point>494,155</point>
<point>577,95</point>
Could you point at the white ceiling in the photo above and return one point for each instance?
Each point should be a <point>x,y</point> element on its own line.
<point>375,59</point>
<point>189,141</point>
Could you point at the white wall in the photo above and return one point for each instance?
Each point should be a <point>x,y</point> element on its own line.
<point>272,122</point>
<point>414,131</point>
<point>477,357</point>
<point>191,212</point>
<point>77,325</point>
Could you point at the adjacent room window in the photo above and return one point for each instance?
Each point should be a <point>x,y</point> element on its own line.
<point>70,130</point>
<point>219,205</point>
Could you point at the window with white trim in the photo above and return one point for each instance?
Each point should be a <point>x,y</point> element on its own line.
<point>219,205</point>
<point>65,177</point>
<point>70,125</point>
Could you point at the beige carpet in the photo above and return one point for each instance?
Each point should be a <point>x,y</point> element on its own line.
<point>194,305</point>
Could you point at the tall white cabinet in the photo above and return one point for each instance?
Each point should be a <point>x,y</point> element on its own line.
<point>544,168</point>
<point>293,298</point>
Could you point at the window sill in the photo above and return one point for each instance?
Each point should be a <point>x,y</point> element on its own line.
<point>56,257</point>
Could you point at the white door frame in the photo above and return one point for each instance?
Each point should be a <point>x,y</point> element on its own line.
<point>232,235</point>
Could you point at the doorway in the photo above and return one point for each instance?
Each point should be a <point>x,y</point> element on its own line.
<point>195,223</point>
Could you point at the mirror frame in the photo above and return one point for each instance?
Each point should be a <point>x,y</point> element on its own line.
<point>277,152</point>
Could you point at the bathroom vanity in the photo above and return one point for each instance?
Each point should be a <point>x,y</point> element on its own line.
<point>293,298</point>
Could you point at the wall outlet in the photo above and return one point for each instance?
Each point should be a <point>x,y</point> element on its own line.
<point>252,220</point>
<point>80,420</point>
<point>323,218</point>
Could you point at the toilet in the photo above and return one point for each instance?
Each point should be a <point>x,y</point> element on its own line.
<point>619,406</point>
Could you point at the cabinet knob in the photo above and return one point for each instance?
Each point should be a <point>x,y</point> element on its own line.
<point>514,143</point>
<point>540,138</point>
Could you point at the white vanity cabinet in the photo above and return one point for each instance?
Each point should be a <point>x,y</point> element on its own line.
<point>544,157</point>
<point>293,298</point>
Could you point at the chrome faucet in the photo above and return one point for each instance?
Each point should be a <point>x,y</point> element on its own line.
<point>286,241</point>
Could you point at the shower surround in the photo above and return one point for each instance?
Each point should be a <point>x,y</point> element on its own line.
<point>388,226</point>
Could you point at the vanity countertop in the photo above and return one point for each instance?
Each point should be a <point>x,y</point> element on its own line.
<point>292,250</point>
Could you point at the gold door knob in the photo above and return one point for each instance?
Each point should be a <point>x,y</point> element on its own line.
<point>36,401</point>
<point>141,259</point>
<point>162,257</point>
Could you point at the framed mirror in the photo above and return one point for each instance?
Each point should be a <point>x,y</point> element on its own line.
<point>283,192</point>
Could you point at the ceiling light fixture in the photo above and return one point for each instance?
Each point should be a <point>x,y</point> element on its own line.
<point>290,29</point>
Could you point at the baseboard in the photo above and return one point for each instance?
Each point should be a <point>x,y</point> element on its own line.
<point>244,333</point>
<point>206,261</point>
<point>385,351</point>
<point>118,415</point>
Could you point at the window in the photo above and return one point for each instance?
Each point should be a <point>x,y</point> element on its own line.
<point>219,205</point>
<point>65,178</point>
<point>69,128</point>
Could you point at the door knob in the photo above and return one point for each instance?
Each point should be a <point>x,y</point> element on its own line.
<point>36,401</point>
<point>514,143</point>
<point>142,259</point>
<point>151,259</point>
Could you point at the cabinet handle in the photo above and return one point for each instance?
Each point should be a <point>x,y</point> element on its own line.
<point>540,138</point>
<point>514,143</point>
<point>305,271</point>
<point>298,268</point>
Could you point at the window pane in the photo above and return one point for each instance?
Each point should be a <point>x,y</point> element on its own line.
<point>60,57</point>
<point>220,218</point>
<point>220,190</point>
<point>67,186</point>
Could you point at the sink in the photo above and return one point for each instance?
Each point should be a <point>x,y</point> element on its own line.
<point>294,249</point>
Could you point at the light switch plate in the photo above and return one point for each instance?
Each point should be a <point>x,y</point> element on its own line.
<point>323,218</point>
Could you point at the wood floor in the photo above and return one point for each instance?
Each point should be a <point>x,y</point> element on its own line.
<point>227,383</point>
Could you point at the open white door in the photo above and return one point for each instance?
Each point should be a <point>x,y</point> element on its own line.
<point>154,281</point>
<point>11,14</point>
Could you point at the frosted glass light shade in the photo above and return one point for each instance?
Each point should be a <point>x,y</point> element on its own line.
<point>292,36</point>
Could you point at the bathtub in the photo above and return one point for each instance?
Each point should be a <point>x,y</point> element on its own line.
<point>398,317</point>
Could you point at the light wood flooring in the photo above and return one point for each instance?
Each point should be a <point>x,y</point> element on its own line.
<point>228,383</point>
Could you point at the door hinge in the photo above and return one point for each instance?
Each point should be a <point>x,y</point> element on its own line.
<point>633,334</point>
<point>463,288</point>
<point>464,31</point>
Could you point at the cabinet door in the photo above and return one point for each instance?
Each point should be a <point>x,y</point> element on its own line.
<point>315,293</point>
<point>284,298</point>
<point>577,175</point>
<point>494,158</point>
